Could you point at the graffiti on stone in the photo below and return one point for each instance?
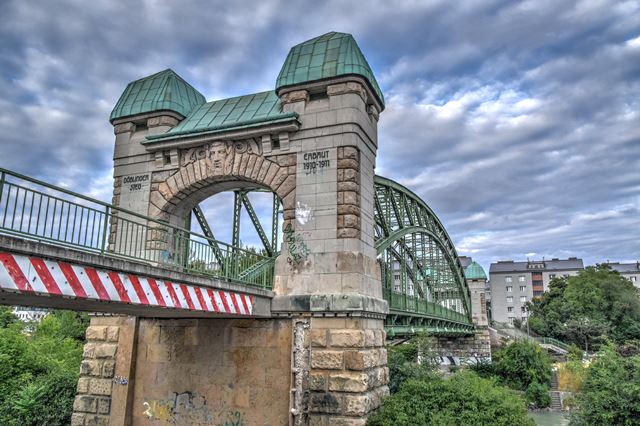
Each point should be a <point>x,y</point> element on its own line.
<point>303,213</point>
<point>219,155</point>
<point>119,380</point>
<point>187,408</point>
<point>298,250</point>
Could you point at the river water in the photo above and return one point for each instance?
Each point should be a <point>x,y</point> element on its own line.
<point>548,418</point>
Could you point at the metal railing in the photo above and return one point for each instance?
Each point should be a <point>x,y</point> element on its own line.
<point>36,210</point>
<point>409,304</point>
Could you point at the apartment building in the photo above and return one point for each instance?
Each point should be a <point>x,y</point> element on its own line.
<point>630,271</point>
<point>513,284</point>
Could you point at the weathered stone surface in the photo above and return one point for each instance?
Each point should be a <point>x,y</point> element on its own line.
<point>317,382</point>
<point>90,368</point>
<point>77,419</point>
<point>112,334</point>
<point>346,338</point>
<point>105,350</point>
<point>318,338</point>
<point>104,405</point>
<point>100,386</point>
<point>347,381</point>
<point>85,404</point>
<point>327,360</point>
<point>96,333</point>
<point>326,403</point>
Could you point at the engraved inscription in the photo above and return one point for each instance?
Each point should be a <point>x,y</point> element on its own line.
<point>315,162</point>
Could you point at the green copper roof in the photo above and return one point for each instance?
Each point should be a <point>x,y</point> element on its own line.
<point>233,113</point>
<point>330,55</point>
<point>474,272</point>
<point>165,90</point>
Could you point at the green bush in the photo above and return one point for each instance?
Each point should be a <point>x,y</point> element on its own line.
<point>522,363</point>
<point>610,391</point>
<point>538,395</point>
<point>403,364</point>
<point>463,399</point>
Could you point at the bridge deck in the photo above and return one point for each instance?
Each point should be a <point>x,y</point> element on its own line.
<point>43,275</point>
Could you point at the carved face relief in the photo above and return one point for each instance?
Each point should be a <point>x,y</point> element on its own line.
<point>217,157</point>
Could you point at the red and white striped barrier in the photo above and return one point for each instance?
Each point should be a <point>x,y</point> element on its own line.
<point>28,274</point>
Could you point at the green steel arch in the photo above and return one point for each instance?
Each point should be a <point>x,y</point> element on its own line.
<point>422,278</point>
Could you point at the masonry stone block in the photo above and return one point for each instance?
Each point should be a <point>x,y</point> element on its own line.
<point>85,404</point>
<point>318,337</point>
<point>104,405</point>
<point>96,333</point>
<point>326,402</point>
<point>347,381</point>
<point>112,334</point>
<point>327,360</point>
<point>96,421</point>
<point>77,419</point>
<point>317,381</point>
<point>105,350</point>
<point>90,367</point>
<point>83,385</point>
<point>346,338</point>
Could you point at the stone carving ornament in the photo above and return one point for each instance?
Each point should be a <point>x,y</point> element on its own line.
<point>219,155</point>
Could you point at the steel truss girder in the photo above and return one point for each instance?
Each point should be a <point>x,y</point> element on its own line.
<point>401,216</point>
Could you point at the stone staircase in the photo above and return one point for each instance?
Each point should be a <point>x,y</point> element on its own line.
<point>554,394</point>
<point>556,401</point>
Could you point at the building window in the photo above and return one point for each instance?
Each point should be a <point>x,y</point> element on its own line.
<point>537,293</point>
<point>633,279</point>
<point>523,298</point>
<point>565,275</point>
<point>552,276</point>
<point>509,299</point>
<point>510,309</point>
<point>523,288</point>
<point>524,309</point>
<point>509,289</point>
<point>507,279</point>
<point>521,278</point>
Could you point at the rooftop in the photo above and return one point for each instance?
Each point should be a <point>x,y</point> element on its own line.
<point>571,263</point>
<point>474,272</point>
<point>164,90</point>
<point>625,267</point>
<point>330,55</point>
<point>233,113</point>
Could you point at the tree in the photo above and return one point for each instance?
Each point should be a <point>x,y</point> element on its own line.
<point>588,308</point>
<point>610,391</point>
<point>463,399</point>
<point>39,370</point>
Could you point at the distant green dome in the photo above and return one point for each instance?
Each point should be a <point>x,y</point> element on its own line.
<point>329,55</point>
<point>165,90</point>
<point>475,272</point>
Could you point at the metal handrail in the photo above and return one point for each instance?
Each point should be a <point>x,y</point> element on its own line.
<point>39,210</point>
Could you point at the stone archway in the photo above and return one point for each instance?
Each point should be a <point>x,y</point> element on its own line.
<point>204,169</point>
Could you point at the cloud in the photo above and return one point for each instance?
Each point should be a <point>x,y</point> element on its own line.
<point>517,122</point>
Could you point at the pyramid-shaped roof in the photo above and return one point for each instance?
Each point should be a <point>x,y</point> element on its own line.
<point>165,90</point>
<point>475,272</point>
<point>329,55</point>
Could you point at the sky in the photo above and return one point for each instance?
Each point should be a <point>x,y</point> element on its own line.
<point>517,122</point>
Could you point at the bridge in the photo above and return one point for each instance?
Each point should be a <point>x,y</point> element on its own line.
<point>343,256</point>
